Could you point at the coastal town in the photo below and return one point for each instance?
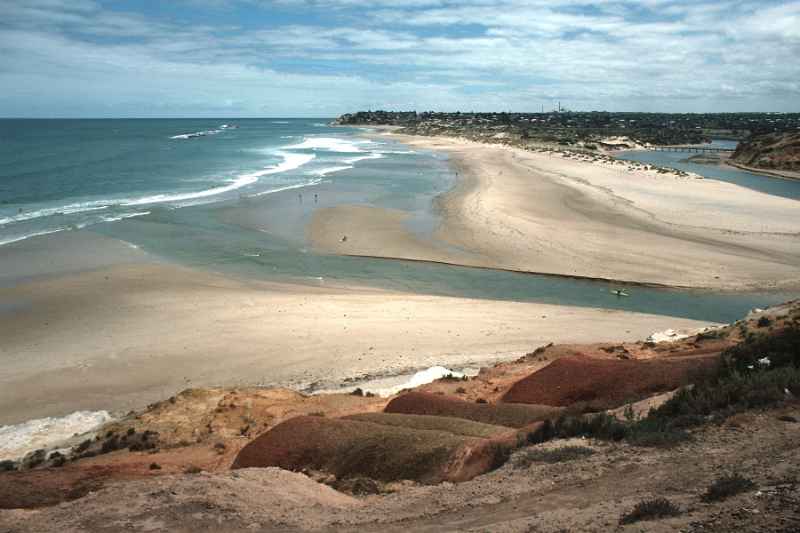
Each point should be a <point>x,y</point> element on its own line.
<point>582,129</point>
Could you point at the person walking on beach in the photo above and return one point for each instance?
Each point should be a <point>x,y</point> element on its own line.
<point>316,197</point>
<point>300,197</point>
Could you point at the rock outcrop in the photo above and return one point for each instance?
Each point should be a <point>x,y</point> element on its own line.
<point>772,151</point>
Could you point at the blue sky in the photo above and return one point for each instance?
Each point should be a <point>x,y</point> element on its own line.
<point>97,58</point>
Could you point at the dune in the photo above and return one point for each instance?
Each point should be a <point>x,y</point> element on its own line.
<point>355,448</point>
<point>600,384</point>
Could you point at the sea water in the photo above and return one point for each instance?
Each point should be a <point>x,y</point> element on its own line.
<point>236,197</point>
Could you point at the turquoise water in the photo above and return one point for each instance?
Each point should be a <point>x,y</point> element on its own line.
<point>57,175</point>
<point>237,201</point>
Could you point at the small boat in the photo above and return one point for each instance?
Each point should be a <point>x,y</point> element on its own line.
<point>619,292</point>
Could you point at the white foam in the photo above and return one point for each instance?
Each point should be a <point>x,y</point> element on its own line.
<point>290,162</point>
<point>29,235</point>
<point>429,375</point>
<point>330,170</point>
<point>69,209</point>
<point>19,439</point>
<point>280,121</point>
<point>237,183</point>
<point>290,187</point>
<point>329,144</point>
<point>669,335</point>
<point>123,217</point>
<point>199,133</point>
<point>372,155</point>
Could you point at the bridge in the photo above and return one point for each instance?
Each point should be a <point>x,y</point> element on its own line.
<point>697,149</point>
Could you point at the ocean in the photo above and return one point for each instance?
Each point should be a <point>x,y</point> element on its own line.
<point>235,196</point>
<point>61,175</point>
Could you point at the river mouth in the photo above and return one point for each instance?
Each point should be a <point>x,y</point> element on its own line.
<point>262,236</point>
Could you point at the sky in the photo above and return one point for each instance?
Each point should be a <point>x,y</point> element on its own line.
<point>321,58</point>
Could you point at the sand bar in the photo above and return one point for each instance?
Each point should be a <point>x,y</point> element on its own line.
<point>541,212</point>
<point>124,336</point>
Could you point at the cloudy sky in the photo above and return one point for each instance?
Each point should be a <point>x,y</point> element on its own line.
<point>97,58</point>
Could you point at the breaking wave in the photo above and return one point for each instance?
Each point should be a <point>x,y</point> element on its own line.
<point>19,439</point>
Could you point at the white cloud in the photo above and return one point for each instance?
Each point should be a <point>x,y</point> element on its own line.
<point>475,54</point>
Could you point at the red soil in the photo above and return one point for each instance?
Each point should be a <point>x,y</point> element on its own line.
<point>515,416</point>
<point>599,384</point>
<point>351,448</point>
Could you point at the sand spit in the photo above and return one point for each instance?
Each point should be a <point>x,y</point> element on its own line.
<point>585,216</point>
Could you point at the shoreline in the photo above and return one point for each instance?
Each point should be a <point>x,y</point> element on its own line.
<point>505,194</point>
<point>143,332</point>
<point>781,174</point>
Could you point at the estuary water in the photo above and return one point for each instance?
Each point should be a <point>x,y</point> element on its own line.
<point>235,196</point>
<point>680,160</point>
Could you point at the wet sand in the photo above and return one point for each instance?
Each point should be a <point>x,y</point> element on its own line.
<point>120,337</point>
<point>541,212</point>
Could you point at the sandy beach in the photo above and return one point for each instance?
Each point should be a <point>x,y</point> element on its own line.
<point>122,336</point>
<point>547,213</point>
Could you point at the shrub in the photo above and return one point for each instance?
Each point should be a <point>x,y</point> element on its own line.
<point>192,470</point>
<point>57,459</point>
<point>600,426</point>
<point>727,486</point>
<point>763,322</point>
<point>650,510</point>
<point>83,446</point>
<point>782,348</point>
<point>7,466</point>
<point>557,455</point>
<point>359,486</point>
<point>110,445</point>
<point>155,466</point>
<point>753,374</point>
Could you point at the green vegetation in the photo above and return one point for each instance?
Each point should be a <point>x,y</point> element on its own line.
<point>650,510</point>
<point>557,455</point>
<point>727,486</point>
<point>582,129</point>
<point>760,372</point>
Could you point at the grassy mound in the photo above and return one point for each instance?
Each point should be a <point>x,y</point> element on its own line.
<point>508,415</point>
<point>600,384</point>
<point>355,448</point>
<point>727,486</point>
<point>651,510</point>
<point>456,426</point>
<point>555,455</point>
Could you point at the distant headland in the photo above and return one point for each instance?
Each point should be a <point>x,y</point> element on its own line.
<point>587,130</point>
